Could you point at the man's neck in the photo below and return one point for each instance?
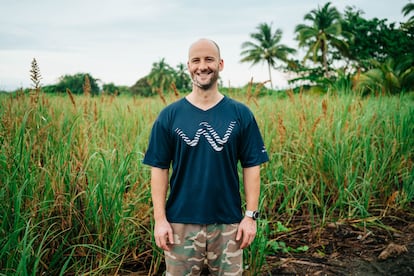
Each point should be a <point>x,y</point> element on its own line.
<point>204,99</point>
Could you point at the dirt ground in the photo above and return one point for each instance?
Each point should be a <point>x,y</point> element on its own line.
<point>384,247</point>
<point>380,245</point>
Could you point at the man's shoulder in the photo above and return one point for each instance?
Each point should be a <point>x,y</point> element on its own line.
<point>177,103</point>
<point>173,106</point>
<point>238,105</point>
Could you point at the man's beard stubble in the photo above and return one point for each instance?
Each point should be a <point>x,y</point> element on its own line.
<point>208,85</point>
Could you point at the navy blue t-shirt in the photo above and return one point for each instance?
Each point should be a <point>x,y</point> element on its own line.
<point>204,148</point>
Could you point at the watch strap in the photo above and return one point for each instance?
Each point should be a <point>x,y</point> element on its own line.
<point>252,214</point>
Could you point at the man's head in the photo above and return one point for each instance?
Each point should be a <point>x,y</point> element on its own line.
<point>204,63</point>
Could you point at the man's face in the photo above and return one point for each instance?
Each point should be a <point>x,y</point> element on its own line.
<point>204,64</point>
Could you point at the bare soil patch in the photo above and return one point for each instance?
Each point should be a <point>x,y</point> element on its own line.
<point>384,246</point>
<point>381,245</point>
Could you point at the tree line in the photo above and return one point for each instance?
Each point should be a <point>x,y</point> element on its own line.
<point>342,51</point>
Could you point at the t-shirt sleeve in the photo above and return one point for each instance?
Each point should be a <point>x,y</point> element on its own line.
<point>252,151</point>
<point>159,149</point>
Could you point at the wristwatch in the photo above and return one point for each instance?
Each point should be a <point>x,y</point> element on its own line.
<point>252,214</point>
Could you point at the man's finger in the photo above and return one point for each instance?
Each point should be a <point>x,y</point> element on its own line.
<point>170,237</point>
<point>157,242</point>
<point>245,241</point>
<point>161,242</point>
<point>239,234</point>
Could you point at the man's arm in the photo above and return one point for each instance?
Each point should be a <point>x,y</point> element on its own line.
<point>162,229</point>
<point>247,228</point>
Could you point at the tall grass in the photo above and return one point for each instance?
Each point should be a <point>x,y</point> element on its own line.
<point>338,157</point>
<point>75,197</point>
<point>74,192</point>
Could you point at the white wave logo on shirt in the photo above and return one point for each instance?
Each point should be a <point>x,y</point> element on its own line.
<point>210,134</point>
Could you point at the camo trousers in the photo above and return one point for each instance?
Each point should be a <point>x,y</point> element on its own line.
<point>196,245</point>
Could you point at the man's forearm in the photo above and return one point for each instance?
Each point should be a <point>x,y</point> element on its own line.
<point>159,188</point>
<point>251,180</point>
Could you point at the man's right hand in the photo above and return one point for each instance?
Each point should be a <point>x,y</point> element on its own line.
<point>163,235</point>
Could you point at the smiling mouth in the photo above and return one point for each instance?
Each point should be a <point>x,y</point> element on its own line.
<point>204,75</point>
<point>203,79</point>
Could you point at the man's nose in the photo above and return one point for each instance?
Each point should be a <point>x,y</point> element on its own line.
<point>203,65</point>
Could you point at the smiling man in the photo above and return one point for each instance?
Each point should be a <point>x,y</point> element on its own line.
<point>202,138</point>
<point>199,64</point>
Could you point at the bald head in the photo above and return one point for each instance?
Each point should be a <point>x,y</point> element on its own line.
<point>203,43</point>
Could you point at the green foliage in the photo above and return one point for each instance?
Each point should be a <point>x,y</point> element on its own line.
<point>181,78</point>
<point>142,88</point>
<point>76,197</point>
<point>391,76</point>
<point>275,246</point>
<point>50,89</point>
<point>407,9</point>
<point>262,246</point>
<point>255,257</point>
<point>112,89</point>
<point>280,246</point>
<point>266,47</point>
<point>409,25</point>
<point>341,82</point>
<point>324,31</point>
<point>76,84</point>
<point>161,77</point>
<point>306,74</point>
<point>352,42</point>
<point>375,39</point>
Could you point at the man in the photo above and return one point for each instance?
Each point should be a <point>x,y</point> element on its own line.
<point>202,137</point>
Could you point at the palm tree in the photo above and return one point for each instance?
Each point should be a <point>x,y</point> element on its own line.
<point>161,76</point>
<point>391,76</point>
<point>325,29</point>
<point>265,47</point>
<point>407,9</point>
<point>182,78</point>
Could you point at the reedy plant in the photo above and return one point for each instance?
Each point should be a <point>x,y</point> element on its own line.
<point>85,194</point>
<point>75,197</point>
<point>337,156</point>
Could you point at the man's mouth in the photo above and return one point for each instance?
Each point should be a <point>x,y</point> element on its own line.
<point>204,75</point>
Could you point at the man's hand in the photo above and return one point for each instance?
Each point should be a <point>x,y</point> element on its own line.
<point>246,232</point>
<point>163,235</point>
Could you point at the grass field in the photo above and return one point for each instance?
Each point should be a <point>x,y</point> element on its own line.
<point>75,196</point>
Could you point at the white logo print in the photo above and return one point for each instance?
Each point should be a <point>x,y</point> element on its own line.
<point>210,134</point>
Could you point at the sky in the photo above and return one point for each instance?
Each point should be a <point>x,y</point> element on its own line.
<point>117,41</point>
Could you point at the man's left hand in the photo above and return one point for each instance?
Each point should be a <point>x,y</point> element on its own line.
<point>246,232</point>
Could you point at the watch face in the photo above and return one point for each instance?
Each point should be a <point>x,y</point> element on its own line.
<point>253,214</point>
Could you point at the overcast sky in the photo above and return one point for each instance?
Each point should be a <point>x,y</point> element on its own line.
<point>118,40</point>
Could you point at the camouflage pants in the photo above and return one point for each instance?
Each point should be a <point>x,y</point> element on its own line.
<point>196,245</point>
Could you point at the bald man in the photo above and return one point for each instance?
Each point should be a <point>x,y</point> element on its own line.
<point>202,138</point>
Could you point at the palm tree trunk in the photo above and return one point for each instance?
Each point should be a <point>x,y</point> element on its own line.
<point>324,58</point>
<point>325,65</point>
<point>270,75</point>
